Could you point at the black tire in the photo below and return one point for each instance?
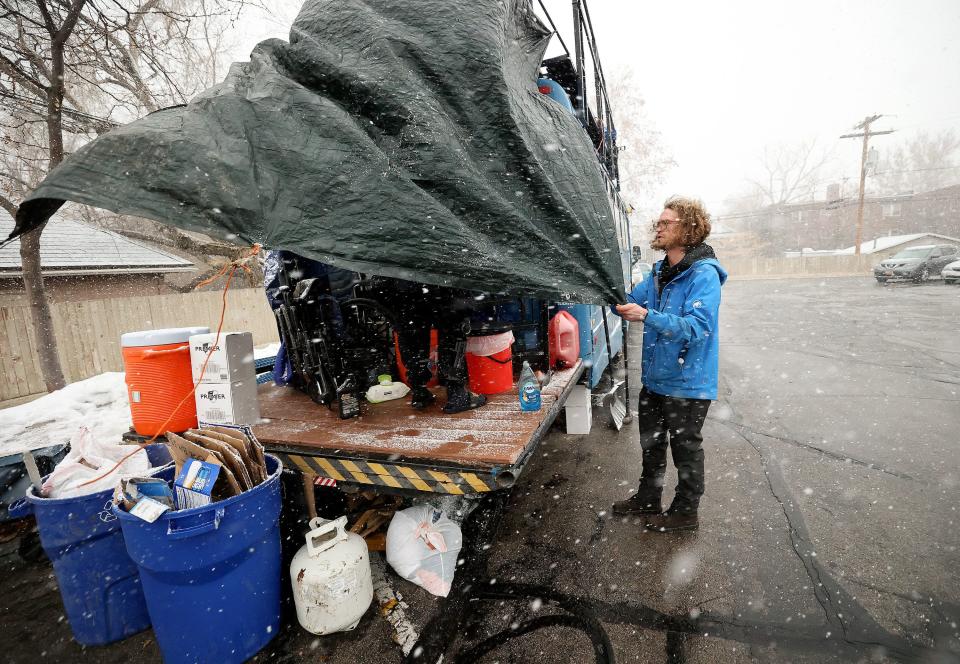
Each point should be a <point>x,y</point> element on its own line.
<point>881,282</point>
<point>923,276</point>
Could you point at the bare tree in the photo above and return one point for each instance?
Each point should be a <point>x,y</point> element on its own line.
<point>644,160</point>
<point>43,75</point>
<point>791,173</point>
<point>70,69</point>
<point>922,163</point>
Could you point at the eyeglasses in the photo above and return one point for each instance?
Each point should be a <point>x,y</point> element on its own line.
<point>657,223</point>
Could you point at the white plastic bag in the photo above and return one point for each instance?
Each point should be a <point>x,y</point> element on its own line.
<point>89,459</point>
<point>490,344</point>
<point>422,547</point>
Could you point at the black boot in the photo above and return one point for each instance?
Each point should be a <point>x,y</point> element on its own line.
<point>460,399</point>
<point>421,397</point>
<point>642,502</point>
<point>678,517</point>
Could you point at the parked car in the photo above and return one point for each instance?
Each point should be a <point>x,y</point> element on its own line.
<point>640,272</point>
<point>917,264</point>
<point>951,273</point>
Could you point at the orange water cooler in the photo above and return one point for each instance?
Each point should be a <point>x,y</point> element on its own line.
<point>158,378</point>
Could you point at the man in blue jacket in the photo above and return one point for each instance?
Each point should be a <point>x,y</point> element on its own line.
<point>679,305</point>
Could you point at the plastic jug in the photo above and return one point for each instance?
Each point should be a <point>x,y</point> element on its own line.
<point>332,586</point>
<point>529,389</point>
<point>386,389</point>
<point>564,334</point>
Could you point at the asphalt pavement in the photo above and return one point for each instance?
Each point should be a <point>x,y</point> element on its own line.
<point>828,530</point>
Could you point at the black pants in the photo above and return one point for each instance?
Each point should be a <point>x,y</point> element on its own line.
<point>675,422</point>
<point>446,310</point>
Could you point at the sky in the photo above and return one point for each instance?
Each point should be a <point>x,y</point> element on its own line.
<point>724,80</point>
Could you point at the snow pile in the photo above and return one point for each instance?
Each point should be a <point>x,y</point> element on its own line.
<point>98,403</point>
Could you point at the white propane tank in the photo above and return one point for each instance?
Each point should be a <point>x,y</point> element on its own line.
<point>331,580</point>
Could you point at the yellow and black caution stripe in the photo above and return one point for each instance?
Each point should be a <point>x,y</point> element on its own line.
<point>391,475</point>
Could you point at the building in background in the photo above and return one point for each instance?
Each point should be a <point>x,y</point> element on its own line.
<point>830,224</point>
<point>81,262</point>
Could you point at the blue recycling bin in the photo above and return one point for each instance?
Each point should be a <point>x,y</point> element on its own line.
<point>98,582</point>
<point>211,574</point>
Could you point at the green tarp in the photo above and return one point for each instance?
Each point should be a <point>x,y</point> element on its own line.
<point>406,139</point>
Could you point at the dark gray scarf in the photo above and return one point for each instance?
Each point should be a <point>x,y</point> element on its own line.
<point>670,272</point>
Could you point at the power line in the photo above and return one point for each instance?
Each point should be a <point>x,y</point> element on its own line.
<point>917,170</point>
<point>835,179</point>
<point>817,206</point>
<point>66,111</point>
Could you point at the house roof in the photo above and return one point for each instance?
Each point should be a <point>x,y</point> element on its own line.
<point>73,248</point>
<point>953,191</point>
<point>888,242</point>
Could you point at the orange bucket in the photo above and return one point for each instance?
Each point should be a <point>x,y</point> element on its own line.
<point>158,377</point>
<point>491,374</point>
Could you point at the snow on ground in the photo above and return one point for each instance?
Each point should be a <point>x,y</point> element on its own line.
<point>270,350</point>
<point>99,403</point>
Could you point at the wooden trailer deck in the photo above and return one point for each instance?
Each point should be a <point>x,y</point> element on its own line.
<point>392,446</point>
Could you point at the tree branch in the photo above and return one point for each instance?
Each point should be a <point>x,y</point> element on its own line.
<point>9,206</point>
<point>47,18</point>
<point>68,23</point>
<point>10,68</point>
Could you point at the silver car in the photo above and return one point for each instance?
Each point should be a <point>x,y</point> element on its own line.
<point>917,264</point>
<point>951,273</point>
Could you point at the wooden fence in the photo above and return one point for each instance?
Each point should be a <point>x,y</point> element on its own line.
<point>88,332</point>
<point>796,267</point>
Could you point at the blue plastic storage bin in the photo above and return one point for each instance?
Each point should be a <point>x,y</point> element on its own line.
<point>211,575</point>
<point>99,584</point>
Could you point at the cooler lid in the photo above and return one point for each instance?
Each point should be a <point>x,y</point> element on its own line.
<point>171,335</point>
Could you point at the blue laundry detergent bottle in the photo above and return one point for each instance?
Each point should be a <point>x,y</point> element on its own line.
<point>529,389</point>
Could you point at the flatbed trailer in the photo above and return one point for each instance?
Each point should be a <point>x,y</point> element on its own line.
<point>392,448</point>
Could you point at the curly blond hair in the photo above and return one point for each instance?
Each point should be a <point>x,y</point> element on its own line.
<point>693,217</point>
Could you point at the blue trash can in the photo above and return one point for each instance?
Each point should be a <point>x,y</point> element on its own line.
<point>99,584</point>
<point>211,575</point>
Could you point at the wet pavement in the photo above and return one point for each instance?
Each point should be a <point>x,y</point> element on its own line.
<point>828,531</point>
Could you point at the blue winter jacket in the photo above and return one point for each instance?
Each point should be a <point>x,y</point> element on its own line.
<point>681,340</point>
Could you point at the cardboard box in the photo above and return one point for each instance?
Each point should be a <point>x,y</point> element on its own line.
<point>579,410</point>
<point>231,359</point>
<point>194,484</point>
<point>228,403</point>
<point>145,497</point>
<point>579,419</point>
<point>579,397</point>
<point>148,509</point>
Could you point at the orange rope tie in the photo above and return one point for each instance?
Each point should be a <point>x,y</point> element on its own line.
<point>229,269</point>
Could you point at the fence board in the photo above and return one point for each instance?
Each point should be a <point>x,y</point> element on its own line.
<point>88,332</point>
<point>12,363</point>
<point>78,361</point>
<point>31,359</point>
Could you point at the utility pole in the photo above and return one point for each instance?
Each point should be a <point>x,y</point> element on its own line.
<point>866,134</point>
